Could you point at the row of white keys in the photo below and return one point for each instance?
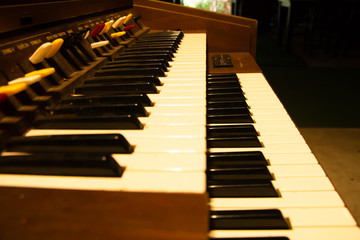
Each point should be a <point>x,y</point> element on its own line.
<point>268,113</point>
<point>179,107</point>
<point>164,146</point>
<point>307,197</point>
<point>184,87</point>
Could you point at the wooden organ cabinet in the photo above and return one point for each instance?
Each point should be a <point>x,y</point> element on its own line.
<point>141,119</point>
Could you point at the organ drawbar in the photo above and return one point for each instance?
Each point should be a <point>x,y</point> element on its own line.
<point>149,120</point>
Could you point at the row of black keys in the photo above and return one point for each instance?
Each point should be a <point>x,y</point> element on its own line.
<point>236,174</point>
<point>233,174</point>
<point>109,100</point>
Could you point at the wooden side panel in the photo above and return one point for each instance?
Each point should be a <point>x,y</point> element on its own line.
<point>30,213</point>
<point>225,33</point>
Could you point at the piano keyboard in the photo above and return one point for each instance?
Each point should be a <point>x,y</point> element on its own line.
<point>306,196</point>
<point>170,147</point>
<point>172,150</point>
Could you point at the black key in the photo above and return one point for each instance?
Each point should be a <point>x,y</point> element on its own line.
<point>113,99</point>
<point>226,159</point>
<point>124,79</point>
<point>230,130</point>
<point>169,54</point>
<point>88,143</point>
<point>166,44</point>
<point>157,42</point>
<point>161,39</point>
<point>165,35</point>
<point>137,65</point>
<point>138,56</point>
<point>233,142</point>
<point>94,165</point>
<point>210,90</point>
<point>221,76</point>
<point>224,104</point>
<point>233,96</point>
<point>150,48</point>
<point>72,121</point>
<point>156,71</point>
<point>229,118</point>
<point>227,110</point>
<point>158,35</point>
<point>116,88</point>
<point>241,189</point>
<point>171,40</point>
<point>248,219</point>
<point>135,109</point>
<point>177,34</point>
<point>223,84</point>
<point>139,61</point>
<point>245,172</point>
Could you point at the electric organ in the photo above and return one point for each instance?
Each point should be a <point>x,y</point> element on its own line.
<point>149,120</point>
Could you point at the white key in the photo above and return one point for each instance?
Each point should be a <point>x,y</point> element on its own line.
<point>174,119</point>
<point>299,233</point>
<point>270,148</point>
<point>300,170</point>
<point>189,93</point>
<point>130,181</point>
<point>182,87</point>
<point>159,100</point>
<point>288,199</point>
<point>297,184</point>
<point>175,162</point>
<point>176,109</point>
